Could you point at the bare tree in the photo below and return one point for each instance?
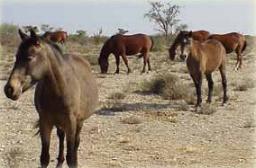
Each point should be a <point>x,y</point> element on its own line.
<point>164,15</point>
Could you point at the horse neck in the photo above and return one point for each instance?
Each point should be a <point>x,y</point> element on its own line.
<point>195,50</point>
<point>105,52</point>
<point>55,78</point>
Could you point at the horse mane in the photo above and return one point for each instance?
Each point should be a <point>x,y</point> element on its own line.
<point>106,48</point>
<point>52,45</point>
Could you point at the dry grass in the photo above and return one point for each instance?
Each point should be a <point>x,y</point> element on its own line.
<point>131,120</point>
<point>207,109</point>
<point>117,96</point>
<point>169,86</point>
<point>13,157</point>
<point>244,85</point>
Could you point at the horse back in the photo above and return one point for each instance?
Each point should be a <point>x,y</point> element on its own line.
<point>132,44</point>
<point>214,54</point>
<point>87,82</point>
<point>77,92</point>
<point>229,40</point>
<point>200,35</point>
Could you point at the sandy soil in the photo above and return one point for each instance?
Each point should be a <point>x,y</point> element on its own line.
<point>144,130</point>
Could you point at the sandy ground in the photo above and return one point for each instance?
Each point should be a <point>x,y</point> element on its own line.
<point>144,130</point>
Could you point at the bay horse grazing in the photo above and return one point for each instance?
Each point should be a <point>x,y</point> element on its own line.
<point>203,59</point>
<point>65,95</point>
<point>125,45</point>
<point>58,36</point>
<point>232,42</point>
<point>200,35</point>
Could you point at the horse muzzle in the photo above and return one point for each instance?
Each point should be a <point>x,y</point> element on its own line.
<point>11,92</point>
<point>183,57</point>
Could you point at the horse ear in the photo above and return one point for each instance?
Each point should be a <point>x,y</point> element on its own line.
<point>35,38</point>
<point>23,36</point>
<point>190,34</point>
<point>32,33</point>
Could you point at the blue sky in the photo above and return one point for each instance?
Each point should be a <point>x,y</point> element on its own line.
<point>216,16</point>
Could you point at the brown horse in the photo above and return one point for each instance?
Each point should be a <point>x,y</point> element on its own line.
<point>203,59</point>
<point>232,42</point>
<point>66,92</point>
<point>58,36</point>
<point>200,35</point>
<point>124,45</point>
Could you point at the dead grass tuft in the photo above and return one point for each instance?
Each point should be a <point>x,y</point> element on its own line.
<point>207,109</point>
<point>131,120</point>
<point>169,86</point>
<point>117,96</point>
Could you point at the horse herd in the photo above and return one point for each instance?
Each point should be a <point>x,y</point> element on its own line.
<point>66,92</point>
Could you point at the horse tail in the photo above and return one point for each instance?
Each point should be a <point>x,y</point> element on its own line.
<point>152,43</point>
<point>244,47</point>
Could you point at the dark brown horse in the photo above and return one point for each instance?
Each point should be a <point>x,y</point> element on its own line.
<point>232,42</point>
<point>200,35</point>
<point>66,92</point>
<point>203,59</point>
<point>58,36</point>
<point>125,45</point>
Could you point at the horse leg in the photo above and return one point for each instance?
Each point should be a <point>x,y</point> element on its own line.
<point>149,66</point>
<point>126,62</point>
<point>45,129</point>
<point>210,87</point>
<point>144,62</point>
<point>198,84</point>
<point>61,135</point>
<point>148,61</point>
<point>117,63</point>
<point>71,133</point>
<point>239,59</point>
<point>224,83</point>
<point>77,140</point>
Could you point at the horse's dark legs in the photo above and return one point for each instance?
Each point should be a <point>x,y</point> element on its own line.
<point>239,59</point>
<point>126,62</point>
<point>210,87</point>
<point>71,136</point>
<point>144,62</point>
<point>149,66</point>
<point>198,84</point>
<point>45,134</point>
<point>117,63</point>
<point>61,135</point>
<point>77,141</point>
<point>224,83</point>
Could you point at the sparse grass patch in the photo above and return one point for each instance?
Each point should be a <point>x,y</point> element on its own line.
<point>131,120</point>
<point>159,44</point>
<point>207,109</point>
<point>13,157</point>
<point>110,107</point>
<point>244,85</point>
<point>117,96</point>
<point>249,124</point>
<point>93,59</point>
<point>169,86</point>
